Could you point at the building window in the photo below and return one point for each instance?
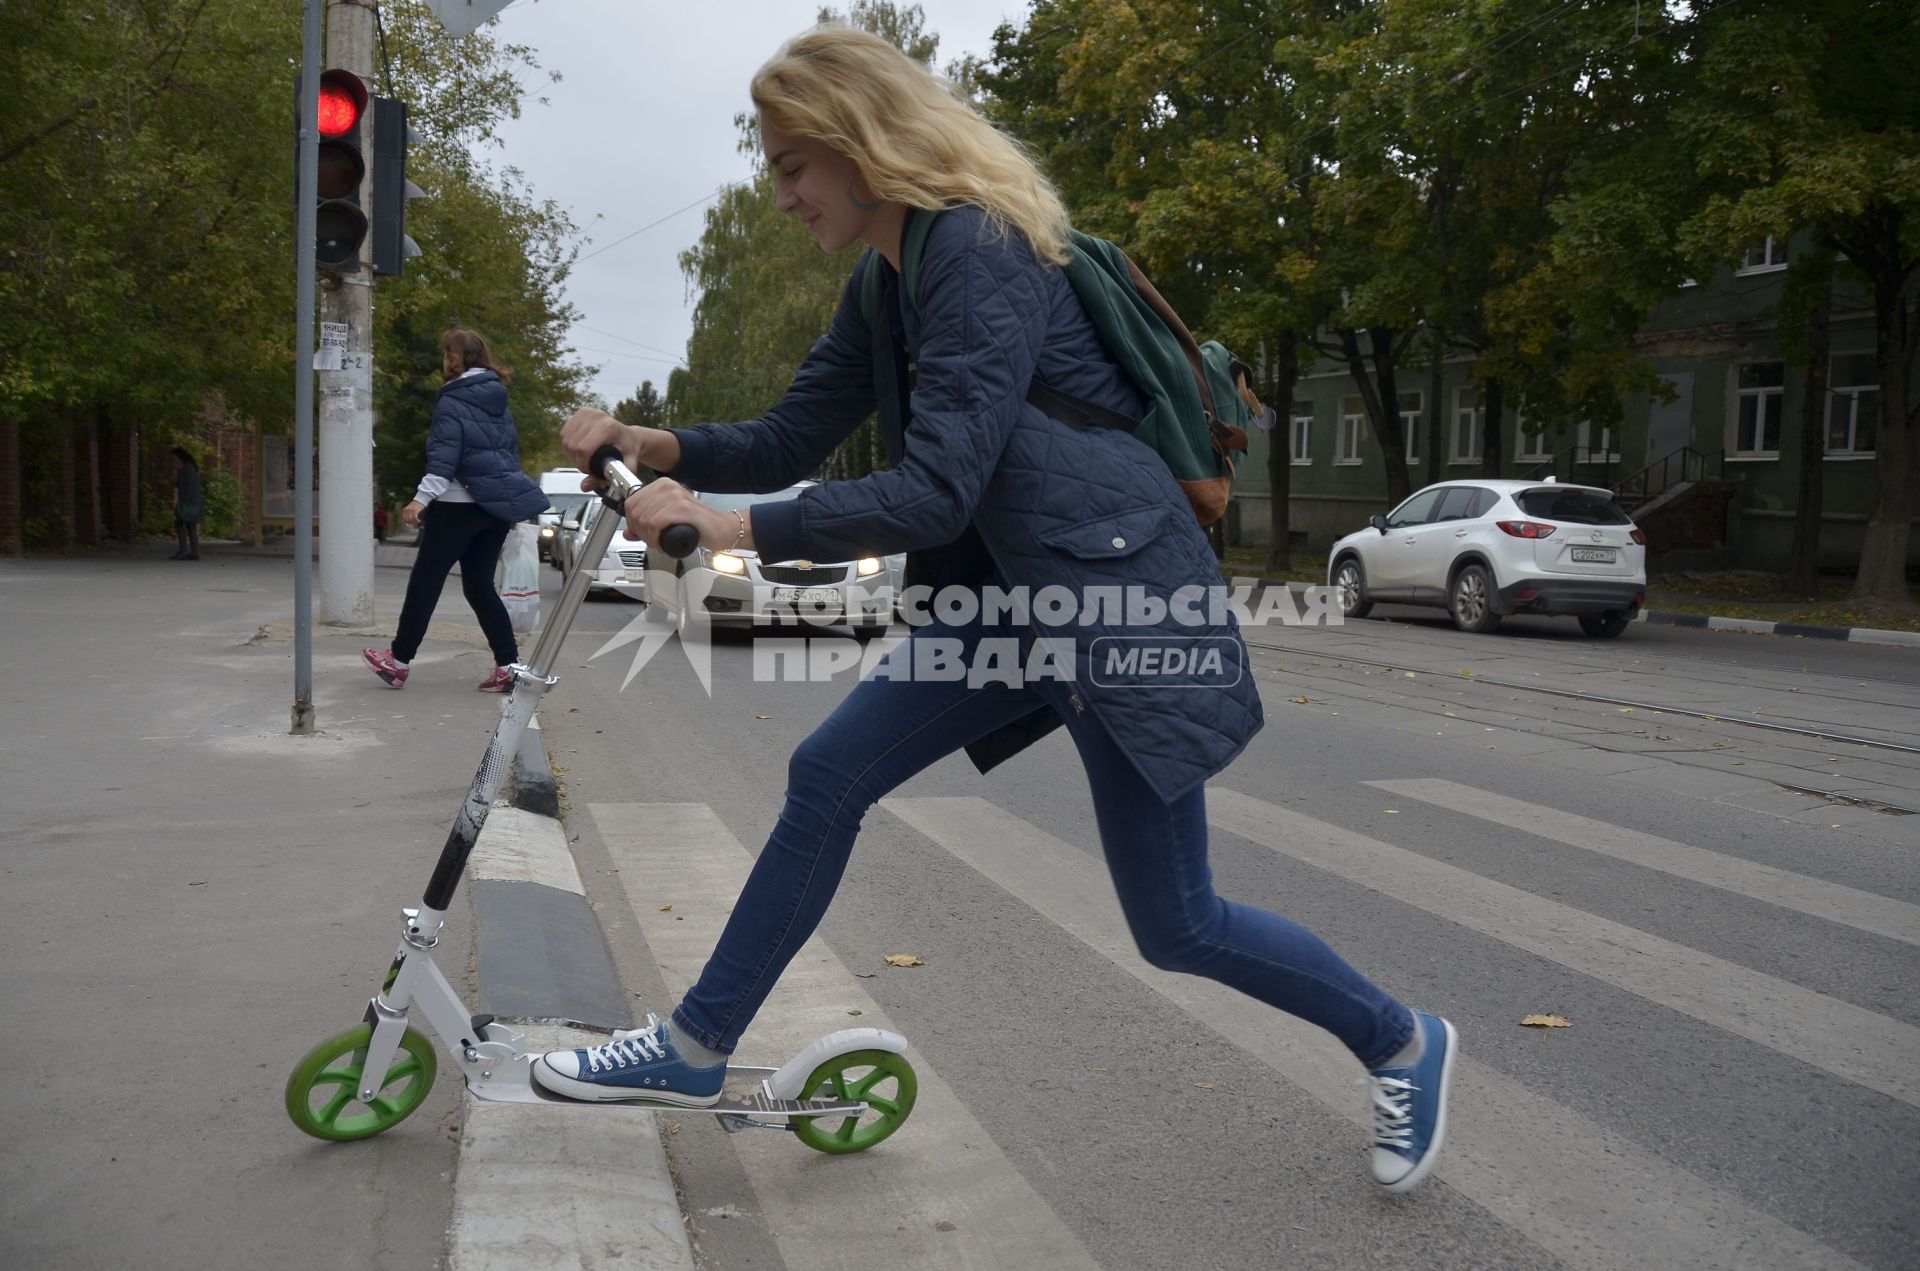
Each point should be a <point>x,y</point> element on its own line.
<point>1765,256</point>
<point>1529,447</point>
<point>1353,428</point>
<point>1762,392</point>
<point>1468,423</point>
<point>1603,451</point>
<point>1412,408</point>
<point>1853,404</point>
<point>1302,431</point>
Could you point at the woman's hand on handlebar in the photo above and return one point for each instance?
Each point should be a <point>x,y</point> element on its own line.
<point>587,429</point>
<point>665,502</point>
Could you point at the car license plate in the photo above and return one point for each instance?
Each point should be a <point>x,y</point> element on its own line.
<point>1594,555</point>
<point>824,597</point>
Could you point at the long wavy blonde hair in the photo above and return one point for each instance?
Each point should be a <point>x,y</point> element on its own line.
<point>912,138</point>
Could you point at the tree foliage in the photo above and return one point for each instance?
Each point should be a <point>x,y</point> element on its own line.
<point>146,189</point>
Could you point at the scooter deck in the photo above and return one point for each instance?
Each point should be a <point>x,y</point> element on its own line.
<point>511,1081</point>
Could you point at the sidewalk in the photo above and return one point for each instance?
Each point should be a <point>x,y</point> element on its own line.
<point>1679,618</point>
<point>256,879</point>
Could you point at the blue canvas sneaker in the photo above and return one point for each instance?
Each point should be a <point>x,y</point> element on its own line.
<point>1410,1107</point>
<point>640,1063</point>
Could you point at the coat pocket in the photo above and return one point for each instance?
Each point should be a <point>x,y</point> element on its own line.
<point>1109,537</point>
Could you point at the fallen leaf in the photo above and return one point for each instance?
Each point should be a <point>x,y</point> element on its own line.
<point>763,717</point>
<point>1203,1085</point>
<point>1793,690</point>
<point>1626,710</point>
<point>1719,745</point>
<point>1464,671</point>
<point>1300,701</point>
<point>1407,675</point>
<point>666,909</point>
<point>904,959</point>
<point>1661,737</point>
<point>558,768</point>
<point>1393,811</point>
<point>1546,1021</point>
<point>201,883</point>
<point>573,710</point>
<point>866,975</point>
<point>855,1012</point>
<point>1739,763</point>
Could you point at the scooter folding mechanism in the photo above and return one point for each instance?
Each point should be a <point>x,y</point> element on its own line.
<point>841,1093</point>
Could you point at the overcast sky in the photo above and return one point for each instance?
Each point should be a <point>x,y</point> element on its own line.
<point>641,126</point>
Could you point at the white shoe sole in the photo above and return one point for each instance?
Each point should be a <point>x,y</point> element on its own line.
<point>1419,1172</point>
<point>561,1084</point>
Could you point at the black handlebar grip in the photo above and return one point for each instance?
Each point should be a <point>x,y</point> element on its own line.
<point>679,540</point>
<point>601,458</point>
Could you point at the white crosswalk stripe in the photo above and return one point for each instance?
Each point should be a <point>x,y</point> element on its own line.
<point>1591,1197</point>
<point>949,1196</point>
<point>1881,915</point>
<point>1846,1040</point>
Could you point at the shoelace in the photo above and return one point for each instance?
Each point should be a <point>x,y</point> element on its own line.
<point>1392,1112</point>
<point>635,1047</point>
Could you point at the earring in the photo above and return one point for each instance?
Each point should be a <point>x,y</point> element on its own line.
<point>855,198</point>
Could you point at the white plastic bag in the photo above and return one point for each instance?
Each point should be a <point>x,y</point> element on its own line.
<point>520,576</point>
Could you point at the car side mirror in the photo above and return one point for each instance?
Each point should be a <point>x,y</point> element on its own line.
<point>1378,523</point>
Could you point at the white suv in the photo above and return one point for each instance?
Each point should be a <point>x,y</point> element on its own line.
<point>1484,549</point>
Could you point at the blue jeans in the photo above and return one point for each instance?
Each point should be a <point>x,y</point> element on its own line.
<point>888,730</point>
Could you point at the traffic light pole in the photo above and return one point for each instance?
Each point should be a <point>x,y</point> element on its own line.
<point>346,394</point>
<point>303,246</point>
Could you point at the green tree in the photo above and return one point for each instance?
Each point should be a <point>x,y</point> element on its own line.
<point>1806,115</point>
<point>646,407</point>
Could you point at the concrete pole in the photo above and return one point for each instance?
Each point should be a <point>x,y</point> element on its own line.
<point>346,395</point>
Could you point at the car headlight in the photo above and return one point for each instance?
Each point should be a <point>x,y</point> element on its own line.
<point>728,563</point>
<point>868,565</point>
<point>546,531</point>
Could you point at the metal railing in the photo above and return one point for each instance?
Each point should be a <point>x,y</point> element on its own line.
<point>1684,464</point>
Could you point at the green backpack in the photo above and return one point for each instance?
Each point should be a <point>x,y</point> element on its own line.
<point>1196,415</point>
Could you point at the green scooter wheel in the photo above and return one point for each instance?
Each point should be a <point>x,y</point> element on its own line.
<point>323,1092</point>
<point>881,1079</point>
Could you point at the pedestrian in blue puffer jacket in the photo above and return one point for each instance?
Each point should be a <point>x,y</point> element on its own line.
<point>472,494</point>
<point>987,492</point>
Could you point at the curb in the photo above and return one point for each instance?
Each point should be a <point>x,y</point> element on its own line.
<point>1709,622</point>
<point>542,965</point>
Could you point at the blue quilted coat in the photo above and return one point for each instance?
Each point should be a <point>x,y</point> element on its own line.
<point>985,485</point>
<point>473,441</point>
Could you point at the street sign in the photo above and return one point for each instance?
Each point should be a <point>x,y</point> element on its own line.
<point>463,17</point>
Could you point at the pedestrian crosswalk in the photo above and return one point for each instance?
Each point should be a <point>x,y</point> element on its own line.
<point>1581,1189</point>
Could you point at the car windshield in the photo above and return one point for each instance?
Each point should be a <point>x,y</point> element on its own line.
<point>741,502</point>
<point>1581,507</point>
<point>567,502</point>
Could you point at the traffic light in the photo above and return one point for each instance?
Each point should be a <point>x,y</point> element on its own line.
<point>392,249</point>
<point>340,226</point>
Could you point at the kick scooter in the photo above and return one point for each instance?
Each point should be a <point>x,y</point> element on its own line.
<point>842,1093</point>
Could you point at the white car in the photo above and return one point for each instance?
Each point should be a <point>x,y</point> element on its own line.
<point>622,568</point>
<point>1485,549</point>
<point>737,588</point>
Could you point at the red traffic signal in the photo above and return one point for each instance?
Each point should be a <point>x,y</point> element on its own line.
<point>340,221</point>
<point>343,99</point>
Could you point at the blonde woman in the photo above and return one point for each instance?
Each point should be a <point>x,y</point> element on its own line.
<point>986,490</point>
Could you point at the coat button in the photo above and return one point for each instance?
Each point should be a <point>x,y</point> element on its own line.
<point>1119,542</point>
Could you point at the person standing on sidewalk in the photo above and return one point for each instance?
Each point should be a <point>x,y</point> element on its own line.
<point>472,494</point>
<point>189,505</point>
<point>987,489</point>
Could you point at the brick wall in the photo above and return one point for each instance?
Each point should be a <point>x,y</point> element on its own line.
<point>10,513</point>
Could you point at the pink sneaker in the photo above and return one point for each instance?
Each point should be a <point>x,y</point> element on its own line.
<point>381,662</point>
<point>501,681</point>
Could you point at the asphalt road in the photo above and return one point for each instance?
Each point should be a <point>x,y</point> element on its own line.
<point>1725,911</point>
